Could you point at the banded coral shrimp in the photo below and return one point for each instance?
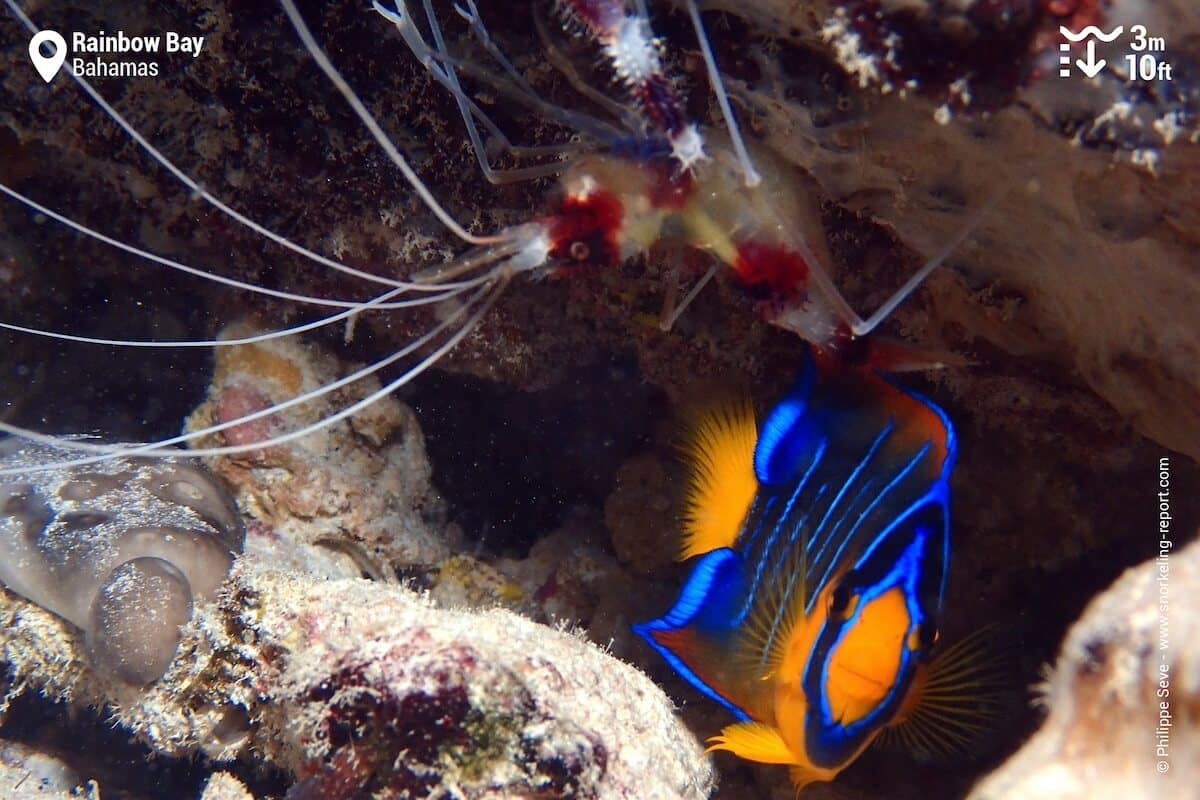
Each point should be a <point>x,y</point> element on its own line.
<point>537,245</point>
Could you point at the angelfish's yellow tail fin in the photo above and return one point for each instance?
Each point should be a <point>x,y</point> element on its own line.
<point>720,452</point>
<point>959,699</point>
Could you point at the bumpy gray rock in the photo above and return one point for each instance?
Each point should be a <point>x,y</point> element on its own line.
<point>121,549</point>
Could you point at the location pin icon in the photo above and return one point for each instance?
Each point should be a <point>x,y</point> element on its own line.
<point>48,66</point>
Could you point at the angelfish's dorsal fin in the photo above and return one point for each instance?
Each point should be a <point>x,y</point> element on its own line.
<point>720,451</point>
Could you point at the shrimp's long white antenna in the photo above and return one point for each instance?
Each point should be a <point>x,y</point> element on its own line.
<point>335,77</point>
<point>373,304</point>
<point>160,449</point>
<point>749,173</point>
<point>236,215</point>
<point>209,276</point>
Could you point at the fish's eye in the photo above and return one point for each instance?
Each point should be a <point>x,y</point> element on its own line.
<point>925,636</point>
<point>839,601</point>
<point>580,251</point>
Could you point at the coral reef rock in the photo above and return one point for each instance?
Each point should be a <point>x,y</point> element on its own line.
<point>363,688</point>
<point>26,774</point>
<point>365,479</point>
<point>1123,699</point>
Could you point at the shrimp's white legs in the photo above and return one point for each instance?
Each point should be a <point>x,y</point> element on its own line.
<point>470,14</point>
<point>749,173</point>
<point>861,327</point>
<point>671,312</point>
<point>443,69</point>
<point>335,77</point>
<point>161,449</point>
<point>584,123</point>
<point>465,107</point>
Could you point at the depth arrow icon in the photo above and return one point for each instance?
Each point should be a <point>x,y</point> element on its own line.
<point>1091,67</point>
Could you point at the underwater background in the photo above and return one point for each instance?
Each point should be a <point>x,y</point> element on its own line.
<point>357,648</point>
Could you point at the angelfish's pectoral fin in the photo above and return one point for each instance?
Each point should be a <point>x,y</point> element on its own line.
<point>720,453</point>
<point>753,741</point>
<point>957,702</point>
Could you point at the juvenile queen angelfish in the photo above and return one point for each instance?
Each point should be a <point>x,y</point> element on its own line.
<point>813,610</point>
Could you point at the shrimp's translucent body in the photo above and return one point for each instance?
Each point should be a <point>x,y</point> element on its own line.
<point>768,233</point>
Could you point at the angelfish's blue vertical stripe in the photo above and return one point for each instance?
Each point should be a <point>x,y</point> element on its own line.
<point>866,489</point>
<point>821,533</point>
<point>908,468</point>
<point>780,527</point>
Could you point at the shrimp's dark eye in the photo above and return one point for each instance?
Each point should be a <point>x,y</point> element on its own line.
<point>580,251</point>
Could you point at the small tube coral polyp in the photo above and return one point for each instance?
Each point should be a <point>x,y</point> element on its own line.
<point>121,550</point>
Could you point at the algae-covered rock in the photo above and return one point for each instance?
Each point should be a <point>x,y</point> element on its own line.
<point>365,688</point>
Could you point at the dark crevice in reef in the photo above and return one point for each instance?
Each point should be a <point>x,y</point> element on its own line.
<point>95,750</point>
<point>512,464</point>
